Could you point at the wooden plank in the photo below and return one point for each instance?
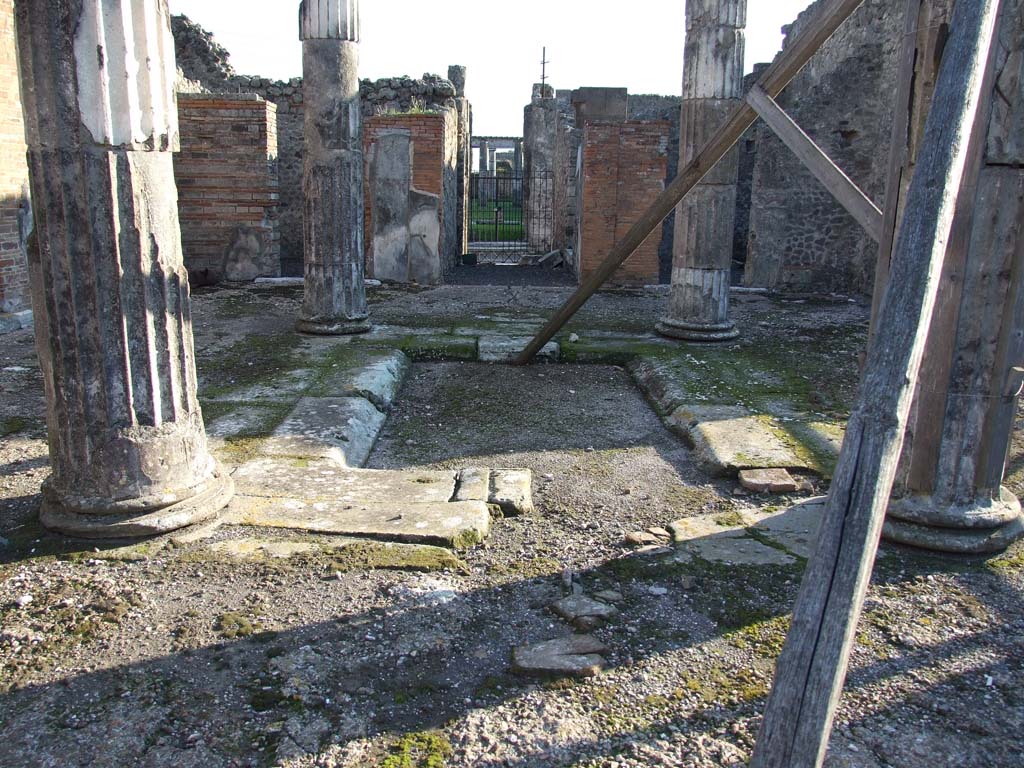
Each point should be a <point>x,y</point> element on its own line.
<point>830,17</point>
<point>812,667</point>
<point>832,177</point>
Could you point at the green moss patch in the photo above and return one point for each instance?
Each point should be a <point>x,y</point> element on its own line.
<point>426,749</point>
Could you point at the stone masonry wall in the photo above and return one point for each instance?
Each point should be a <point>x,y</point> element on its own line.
<point>624,168</point>
<point>800,238</point>
<point>435,139</point>
<point>15,208</point>
<point>202,59</point>
<point>227,182</point>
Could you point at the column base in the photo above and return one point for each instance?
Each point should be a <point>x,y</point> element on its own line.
<point>676,329</point>
<point>61,517</point>
<point>333,327</point>
<point>986,527</point>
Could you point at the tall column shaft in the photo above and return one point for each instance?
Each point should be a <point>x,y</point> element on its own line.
<point>702,255</point>
<point>110,291</point>
<point>335,288</point>
<point>949,493</point>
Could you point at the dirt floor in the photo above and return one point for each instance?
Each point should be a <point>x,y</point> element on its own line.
<point>177,656</point>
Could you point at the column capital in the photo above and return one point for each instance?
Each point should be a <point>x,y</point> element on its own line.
<point>329,20</point>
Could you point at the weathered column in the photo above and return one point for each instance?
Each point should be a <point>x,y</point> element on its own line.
<point>702,255</point>
<point>485,153</point>
<point>335,293</point>
<point>949,495</point>
<point>517,164</point>
<point>110,291</point>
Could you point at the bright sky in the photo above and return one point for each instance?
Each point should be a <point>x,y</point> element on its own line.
<point>500,44</point>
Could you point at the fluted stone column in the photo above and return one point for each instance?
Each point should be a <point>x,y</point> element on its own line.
<point>702,256</point>
<point>110,291</point>
<point>949,494</point>
<point>335,291</point>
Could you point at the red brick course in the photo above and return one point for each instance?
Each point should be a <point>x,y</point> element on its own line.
<point>226,174</point>
<point>624,167</point>
<point>14,294</point>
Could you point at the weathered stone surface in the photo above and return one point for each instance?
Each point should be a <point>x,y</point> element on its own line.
<point>15,321</point>
<point>340,428</point>
<point>695,528</point>
<point>243,421</point>
<point>286,387</point>
<point>503,349</point>
<point>575,656</point>
<point>729,438</point>
<point>655,380</point>
<point>451,524</point>
<point>768,481</point>
<point>796,529</point>
<point>371,374</point>
<point>512,490</point>
<point>127,443</point>
<point>326,481</point>
<point>474,484</point>
<point>580,606</point>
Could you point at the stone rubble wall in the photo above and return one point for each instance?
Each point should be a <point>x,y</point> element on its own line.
<point>226,173</point>
<point>800,239</point>
<point>203,60</point>
<point>624,168</point>
<point>15,205</point>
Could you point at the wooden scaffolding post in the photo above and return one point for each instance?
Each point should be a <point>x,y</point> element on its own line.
<point>830,17</point>
<point>812,667</point>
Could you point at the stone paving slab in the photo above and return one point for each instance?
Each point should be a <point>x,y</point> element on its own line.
<point>796,529</point>
<point>450,524</point>
<point>287,387</point>
<point>474,484</point>
<point>732,545</point>
<point>326,481</point>
<point>503,349</point>
<point>574,656</point>
<point>727,439</point>
<point>243,420</point>
<point>343,429</point>
<point>512,490</point>
<point>376,375</point>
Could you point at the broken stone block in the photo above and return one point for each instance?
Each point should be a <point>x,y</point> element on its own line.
<point>768,481</point>
<point>796,528</point>
<point>582,607</point>
<point>609,596</point>
<point>473,484</point>
<point>511,490</point>
<point>727,439</point>
<point>575,656</point>
<point>641,539</point>
<point>661,533</point>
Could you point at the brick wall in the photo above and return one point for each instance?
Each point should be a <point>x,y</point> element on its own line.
<point>435,137</point>
<point>15,208</point>
<point>228,186</point>
<point>624,166</point>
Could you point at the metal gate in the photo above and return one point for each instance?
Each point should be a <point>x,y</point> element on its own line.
<point>510,213</point>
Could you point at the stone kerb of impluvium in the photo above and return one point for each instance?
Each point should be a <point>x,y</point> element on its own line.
<point>712,86</point>
<point>334,301</point>
<point>110,292</point>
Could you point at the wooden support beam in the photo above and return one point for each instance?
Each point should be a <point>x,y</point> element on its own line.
<point>812,668</point>
<point>839,185</point>
<point>830,17</point>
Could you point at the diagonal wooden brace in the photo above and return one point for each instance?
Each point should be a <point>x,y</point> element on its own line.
<point>839,185</point>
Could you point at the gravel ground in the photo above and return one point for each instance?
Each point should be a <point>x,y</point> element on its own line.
<point>176,657</point>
